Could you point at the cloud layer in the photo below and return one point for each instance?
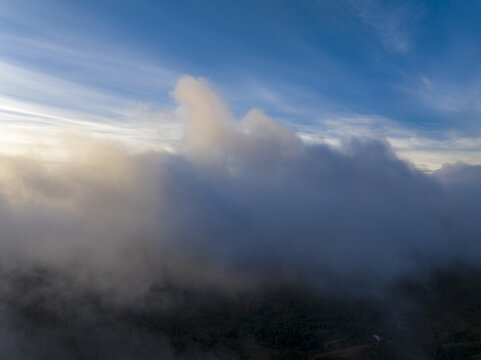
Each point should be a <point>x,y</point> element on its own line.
<point>240,203</point>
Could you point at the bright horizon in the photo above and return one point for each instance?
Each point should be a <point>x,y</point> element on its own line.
<point>402,72</point>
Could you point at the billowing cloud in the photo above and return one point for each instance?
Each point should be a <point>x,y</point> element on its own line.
<point>241,204</point>
<point>238,203</point>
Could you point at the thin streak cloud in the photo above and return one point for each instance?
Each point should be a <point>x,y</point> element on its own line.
<point>393,22</point>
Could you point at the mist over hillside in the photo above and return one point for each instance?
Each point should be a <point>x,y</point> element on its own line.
<point>103,252</point>
<point>47,314</point>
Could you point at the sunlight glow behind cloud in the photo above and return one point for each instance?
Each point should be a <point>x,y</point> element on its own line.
<point>89,77</point>
<point>29,125</point>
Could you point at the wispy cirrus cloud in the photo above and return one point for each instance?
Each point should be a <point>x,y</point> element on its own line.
<point>391,21</point>
<point>447,96</point>
<point>36,107</point>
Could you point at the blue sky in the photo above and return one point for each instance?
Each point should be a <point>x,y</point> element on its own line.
<point>407,71</point>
